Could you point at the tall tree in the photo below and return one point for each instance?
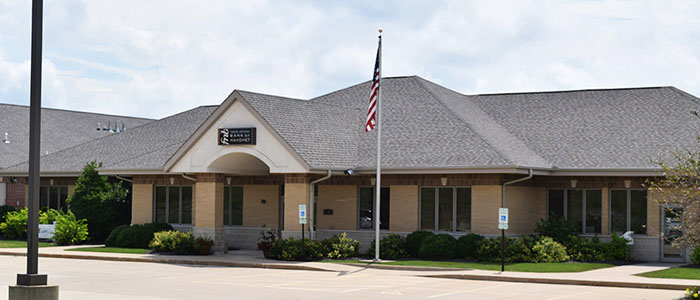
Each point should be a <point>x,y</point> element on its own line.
<point>103,204</point>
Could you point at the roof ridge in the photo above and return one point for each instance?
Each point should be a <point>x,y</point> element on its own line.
<point>498,151</point>
<point>692,98</point>
<point>269,95</point>
<point>79,112</point>
<point>573,91</point>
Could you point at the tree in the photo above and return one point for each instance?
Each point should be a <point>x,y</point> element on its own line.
<point>680,187</point>
<point>103,204</point>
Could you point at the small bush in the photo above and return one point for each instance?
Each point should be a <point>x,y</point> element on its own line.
<point>547,250</point>
<point>438,247</point>
<point>392,246</point>
<point>15,225</point>
<point>556,227</point>
<point>616,249</point>
<point>468,245</point>
<point>202,245</point>
<point>583,249</point>
<point>49,216</point>
<point>415,240</point>
<point>340,247</point>
<point>695,256</point>
<point>4,209</point>
<point>135,236</point>
<point>69,230</point>
<point>516,250</point>
<point>173,242</point>
<point>296,250</point>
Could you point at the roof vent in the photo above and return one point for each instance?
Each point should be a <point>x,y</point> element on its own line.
<point>116,126</point>
<point>123,127</point>
<point>6,139</point>
<point>105,128</point>
<point>99,126</point>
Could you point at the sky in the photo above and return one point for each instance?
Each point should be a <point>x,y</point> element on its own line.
<point>157,58</point>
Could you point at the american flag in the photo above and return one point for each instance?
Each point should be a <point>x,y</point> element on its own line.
<point>374,93</point>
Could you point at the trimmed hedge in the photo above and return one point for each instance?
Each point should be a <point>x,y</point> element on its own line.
<point>135,236</point>
<point>336,247</point>
<point>414,240</point>
<point>468,245</point>
<point>438,247</point>
<point>392,246</point>
<point>173,241</point>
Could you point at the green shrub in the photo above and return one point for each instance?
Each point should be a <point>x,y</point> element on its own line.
<point>516,250</point>
<point>415,240</point>
<point>468,245</point>
<point>392,246</point>
<point>695,256</point>
<point>4,209</point>
<point>296,250</point>
<point>202,245</point>
<point>49,216</point>
<point>584,249</point>
<point>438,247</point>
<point>616,249</point>
<point>340,247</point>
<point>103,204</point>
<point>547,250</point>
<point>69,230</point>
<point>173,242</point>
<point>15,225</point>
<point>135,236</point>
<point>556,227</point>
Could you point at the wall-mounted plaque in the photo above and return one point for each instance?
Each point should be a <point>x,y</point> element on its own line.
<point>236,136</point>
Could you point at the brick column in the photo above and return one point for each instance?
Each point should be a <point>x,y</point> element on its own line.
<point>403,215</point>
<point>296,191</point>
<point>141,203</point>
<point>605,212</point>
<point>486,199</point>
<point>208,209</point>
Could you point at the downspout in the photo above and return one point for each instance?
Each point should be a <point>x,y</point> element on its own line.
<point>312,236</point>
<point>123,179</point>
<point>503,190</point>
<point>189,178</point>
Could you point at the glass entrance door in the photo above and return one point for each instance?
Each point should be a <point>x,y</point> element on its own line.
<point>672,229</point>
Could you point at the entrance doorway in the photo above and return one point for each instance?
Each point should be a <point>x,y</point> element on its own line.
<point>672,228</point>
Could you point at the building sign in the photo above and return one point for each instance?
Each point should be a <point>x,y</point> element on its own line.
<point>236,136</point>
<point>503,218</point>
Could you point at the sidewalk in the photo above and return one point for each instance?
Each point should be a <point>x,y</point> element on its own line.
<point>621,276</point>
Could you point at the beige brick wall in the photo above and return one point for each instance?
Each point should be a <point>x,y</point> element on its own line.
<point>342,199</point>
<point>486,199</point>
<point>208,206</point>
<point>404,208</point>
<point>605,212</point>
<point>294,194</point>
<point>526,206</point>
<point>141,203</point>
<point>256,213</point>
<point>653,213</point>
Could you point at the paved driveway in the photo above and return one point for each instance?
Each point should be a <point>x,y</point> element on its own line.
<point>89,279</point>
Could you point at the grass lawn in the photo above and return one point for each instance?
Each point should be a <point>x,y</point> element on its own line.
<point>111,250</point>
<point>21,244</point>
<point>676,273</point>
<point>517,267</point>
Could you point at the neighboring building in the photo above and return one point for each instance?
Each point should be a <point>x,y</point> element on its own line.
<point>445,157</point>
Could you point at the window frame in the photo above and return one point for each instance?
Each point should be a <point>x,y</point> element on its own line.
<point>628,195</point>
<point>230,205</point>
<point>167,204</point>
<point>374,205</point>
<point>583,207</point>
<point>436,211</point>
<point>58,188</point>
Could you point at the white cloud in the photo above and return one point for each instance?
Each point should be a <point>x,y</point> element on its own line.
<point>156,58</point>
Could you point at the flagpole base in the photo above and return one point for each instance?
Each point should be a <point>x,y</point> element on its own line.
<point>32,279</point>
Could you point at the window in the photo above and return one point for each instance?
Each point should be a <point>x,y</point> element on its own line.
<point>582,208</point>
<point>628,211</point>
<point>173,204</point>
<point>445,208</point>
<point>53,197</point>
<point>233,206</point>
<point>367,204</point>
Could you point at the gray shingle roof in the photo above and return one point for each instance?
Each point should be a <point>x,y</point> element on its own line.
<point>60,129</point>
<point>147,147</point>
<point>427,126</point>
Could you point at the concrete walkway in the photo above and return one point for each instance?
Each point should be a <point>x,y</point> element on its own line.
<point>621,276</point>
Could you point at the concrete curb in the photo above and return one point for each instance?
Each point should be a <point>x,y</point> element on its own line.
<point>403,268</point>
<point>177,261</point>
<point>622,284</point>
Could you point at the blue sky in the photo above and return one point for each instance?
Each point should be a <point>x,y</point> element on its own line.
<point>157,58</point>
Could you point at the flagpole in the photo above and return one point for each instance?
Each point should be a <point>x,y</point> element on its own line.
<point>378,187</point>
